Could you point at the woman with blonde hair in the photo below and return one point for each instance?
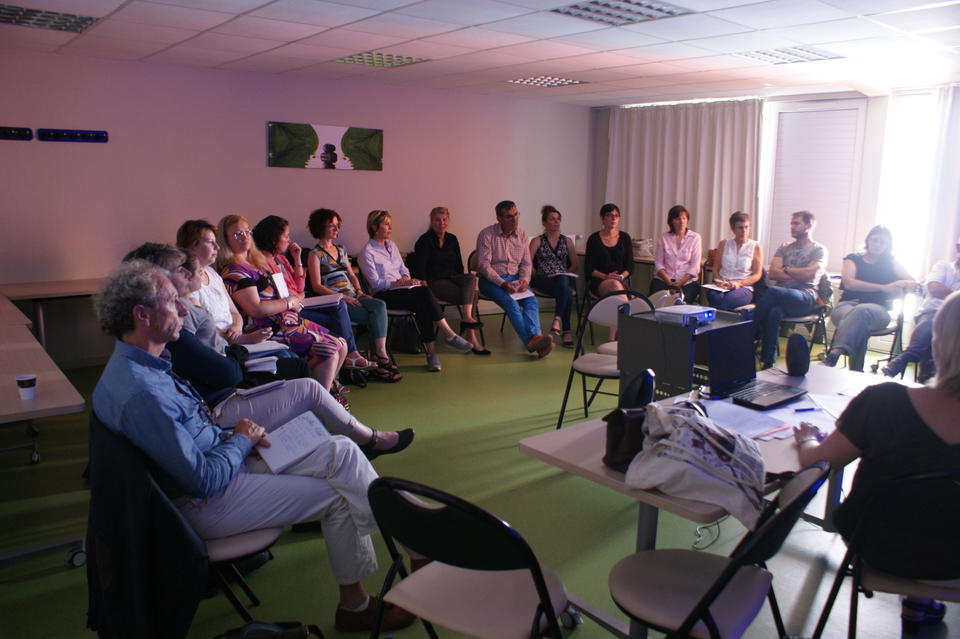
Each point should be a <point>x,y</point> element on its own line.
<point>896,432</point>
<point>258,292</point>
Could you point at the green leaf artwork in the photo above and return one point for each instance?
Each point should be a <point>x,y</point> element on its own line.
<point>320,146</point>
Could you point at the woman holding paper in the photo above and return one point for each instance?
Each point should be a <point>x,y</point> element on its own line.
<point>272,237</point>
<point>555,264</point>
<point>390,281</point>
<point>330,272</point>
<point>738,266</point>
<point>896,432</point>
<point>262,295</point>
<point>677,264</point>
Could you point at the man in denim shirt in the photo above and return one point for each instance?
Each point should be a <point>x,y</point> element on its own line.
<point>209,473</point>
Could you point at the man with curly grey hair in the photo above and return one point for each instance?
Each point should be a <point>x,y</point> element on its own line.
<point>208,471</point>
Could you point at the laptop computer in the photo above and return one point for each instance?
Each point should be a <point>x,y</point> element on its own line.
<point>732,371</point>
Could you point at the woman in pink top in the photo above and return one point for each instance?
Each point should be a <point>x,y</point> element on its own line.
<point>677,265</point>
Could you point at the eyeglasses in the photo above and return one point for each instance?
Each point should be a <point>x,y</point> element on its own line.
<point>506,216</point>
<point>239,235</point>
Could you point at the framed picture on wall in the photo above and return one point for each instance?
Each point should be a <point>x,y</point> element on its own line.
<point>321,146</point>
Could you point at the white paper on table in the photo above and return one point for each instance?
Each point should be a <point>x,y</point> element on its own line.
<point>795,413</point>
<point>293,441</point>
<point>519,295</point>
<point>833,403</point>
<point>280,285</point>
<point>746,421</point>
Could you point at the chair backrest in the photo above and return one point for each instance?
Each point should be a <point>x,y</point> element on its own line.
<point>920,511</point>
<point>472,262</point>
<point>605,309</point>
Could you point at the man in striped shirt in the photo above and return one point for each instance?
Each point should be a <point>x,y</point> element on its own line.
<point>504,266</point>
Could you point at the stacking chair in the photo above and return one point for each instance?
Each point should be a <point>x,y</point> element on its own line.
<point>600,365</point>
<point>148,568</point>
<point>816,321</point>
<point>924,508</point>
<point>472,268</point>
<point>484,580</point>
<point>685,593</point>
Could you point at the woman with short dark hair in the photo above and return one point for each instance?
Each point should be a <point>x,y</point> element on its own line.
<point>737,267</point>
<point>677,263</point>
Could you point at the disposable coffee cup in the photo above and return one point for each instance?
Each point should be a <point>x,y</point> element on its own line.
<point>27,385</point>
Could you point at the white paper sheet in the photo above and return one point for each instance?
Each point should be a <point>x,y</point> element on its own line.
<point>293,441</point>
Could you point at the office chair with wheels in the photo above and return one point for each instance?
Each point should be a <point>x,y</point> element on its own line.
<point>686,593</point>
<point>922,511</point>
<point>484,580</point>
<point>600,365</point>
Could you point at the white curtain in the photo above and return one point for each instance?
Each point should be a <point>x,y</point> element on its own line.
<point>945,181</point>
<point>704,156</point>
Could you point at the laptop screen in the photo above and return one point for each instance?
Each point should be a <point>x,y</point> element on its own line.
<point>731,358</point>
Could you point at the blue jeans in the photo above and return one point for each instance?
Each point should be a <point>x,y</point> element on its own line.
<point>372,313</point>
<point>777,303</point>
<point>336,319</point>
<point>730,300</point>
<point>524,315</point>
<point>561,287</point>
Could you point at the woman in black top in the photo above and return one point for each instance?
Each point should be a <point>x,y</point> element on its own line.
<point>871,280</point>
<point>609,258</point>
<point>437,259</point>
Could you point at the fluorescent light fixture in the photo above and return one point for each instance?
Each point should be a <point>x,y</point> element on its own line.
<point>789,55</point>
<point>386,60</point>
<point>546,81</point>
<point>676,102</point>
<point>621,12</point>
<point>40,19</point>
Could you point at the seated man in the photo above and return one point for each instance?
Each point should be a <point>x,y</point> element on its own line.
<point>208,472</point>
<point>794,272</point>
<point>504,266</point>
<point>943,279</point>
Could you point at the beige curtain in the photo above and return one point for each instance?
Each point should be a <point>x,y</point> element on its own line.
<point>945,187</point>
<point>704,156</point>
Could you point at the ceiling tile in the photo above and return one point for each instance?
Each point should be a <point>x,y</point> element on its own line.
<point>93,8</point>
<point>377,5</point>
<point>353,40</point>
<point>267,63</point>
<point>545,25</point>
<point>949,37</point>
<point>186,54</point>
<point>394,24</point>
<point>607,39</point>
<point>428,50</point>
<point>478,38</point>
<point>740,42</point>
<point>17,37</point>
<point>483,60</point>
<point>666,51</point>
<point>224,6</point>
<point>325,14</point>
<point>600,60</point>
<point>543,50</point>
<point>279,30</point>
<point>688,27</point>
<point>543,5</point>
<point>882,46</point>
<point>313,54</point>
<point>781,13</point>
<point>333,70</point>
<point>872,7</point>
<point>922,20</point>
<point>112,28</point>
<point>170,16</point>
<point>712,5</point>
<point>832,31</point>
<point>464,12</point>
<point>223,42</point>
<point>125,49</point>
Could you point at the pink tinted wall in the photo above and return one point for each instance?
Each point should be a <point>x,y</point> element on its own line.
<point>190,142</point>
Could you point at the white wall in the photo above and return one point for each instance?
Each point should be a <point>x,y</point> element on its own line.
<point>190,142</point>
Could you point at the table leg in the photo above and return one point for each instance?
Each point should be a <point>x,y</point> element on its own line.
<point>834,488</point>
<point>647,517</point>
<point>38,322</point>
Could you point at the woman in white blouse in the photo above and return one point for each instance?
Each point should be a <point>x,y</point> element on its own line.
<point>737,267</point>
<point>389,279</point>
<point>199,238</point>
<point>677,265</point>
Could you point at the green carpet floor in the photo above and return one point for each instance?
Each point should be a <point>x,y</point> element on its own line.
<point>468,420</point>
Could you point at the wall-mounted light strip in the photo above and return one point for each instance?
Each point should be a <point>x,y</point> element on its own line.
<point>15,133</point>
<point>71,135</point>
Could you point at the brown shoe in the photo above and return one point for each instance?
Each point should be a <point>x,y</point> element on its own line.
<point>394,618</point>
<point>541,345</point>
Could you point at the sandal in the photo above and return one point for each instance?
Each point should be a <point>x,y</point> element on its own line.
<point>387,364</point>
<point>555,327</point>
<point>339,394</point>
<point>914,613</point>
<point>567,339</point>
<point>385,375</point>
<point>358,362</point>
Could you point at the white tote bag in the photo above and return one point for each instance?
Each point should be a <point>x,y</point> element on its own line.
<point>686,455</point>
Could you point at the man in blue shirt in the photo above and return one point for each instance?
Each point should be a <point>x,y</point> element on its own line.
<point>209,473</point>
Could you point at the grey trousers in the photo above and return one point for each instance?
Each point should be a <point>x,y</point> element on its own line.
<point>854,321</point>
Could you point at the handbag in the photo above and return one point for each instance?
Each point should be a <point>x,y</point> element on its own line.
<point>687,455</point>
<point>625,423</point>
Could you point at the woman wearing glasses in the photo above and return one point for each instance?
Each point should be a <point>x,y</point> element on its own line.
<point>258,291</point>
<point>389,280</point>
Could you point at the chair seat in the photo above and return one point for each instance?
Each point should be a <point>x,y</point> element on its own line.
<point>477,603</point>
<point>235,546</point>
<point>398,312</point>
<point>661,587</point>
<point>802,319</point>
<point>873,579</point>
<point>597,365</point>
<point>607,348</point>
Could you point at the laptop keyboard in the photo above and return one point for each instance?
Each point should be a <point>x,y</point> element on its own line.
<point>758,390</point>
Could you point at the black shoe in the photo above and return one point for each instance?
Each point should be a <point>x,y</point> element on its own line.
<point>764,366</point>
<point>404,438</point>
<point>481,351</point>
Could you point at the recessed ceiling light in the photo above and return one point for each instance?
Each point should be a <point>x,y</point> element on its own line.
<point>387,60</point>
<point>546,81</point>
<point>621,12</point>
<point>789,55</point>
<point>40,19</point>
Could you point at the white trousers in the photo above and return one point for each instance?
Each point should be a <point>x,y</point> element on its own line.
<point>329,485</point>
